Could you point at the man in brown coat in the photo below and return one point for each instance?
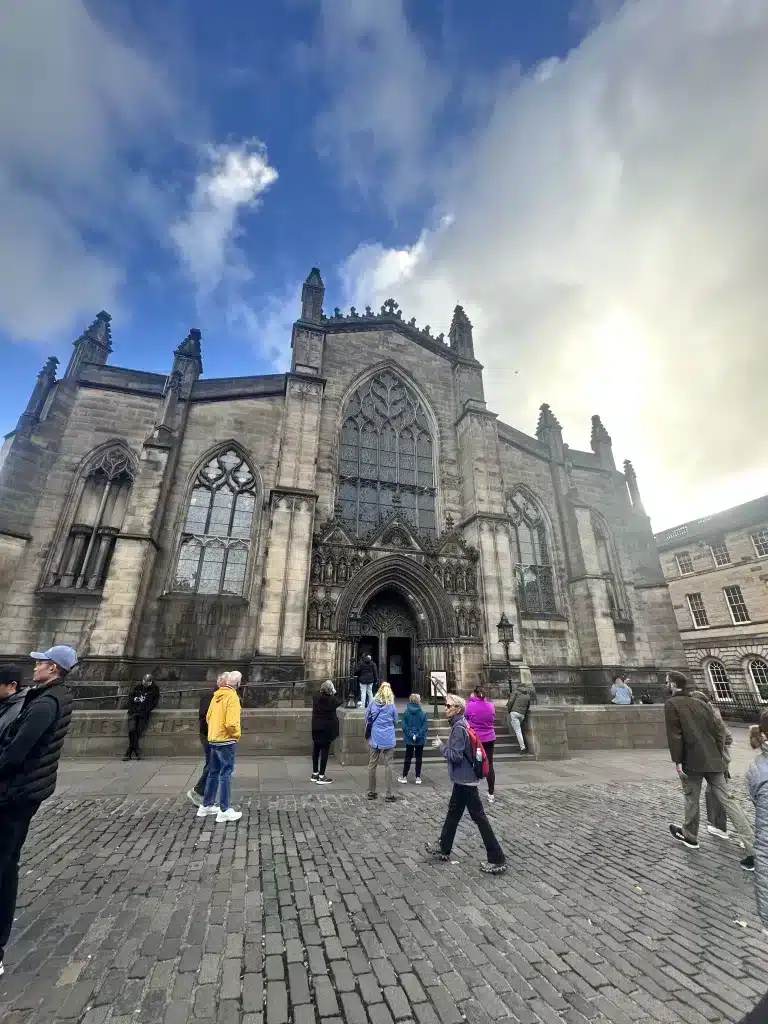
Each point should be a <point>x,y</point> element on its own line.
<point>696,739</point>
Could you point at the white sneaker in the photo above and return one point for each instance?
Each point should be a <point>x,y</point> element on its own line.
<point>360,704</point>
<point>2,969</point>
<point>418,782</point>
<point>491,799</point>
<point>203,811</point>
<point>717,832</point>
<point>229,815</point>
<point>196,799</point>
<point>403,780</point>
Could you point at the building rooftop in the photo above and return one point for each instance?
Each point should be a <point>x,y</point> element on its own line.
<point>751,513</point>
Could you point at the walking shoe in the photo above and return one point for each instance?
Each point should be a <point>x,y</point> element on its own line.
<point>128,757</point>
<point>315,776</point>
<point>493,869</point>
<point>718,832</point>
<point>435,850</point>
<point>390,799</point>
<point>403,780</point>
<point>372,796</point>
<point>2,969</point>
<point>323,780</point>
<point>680,836</point>
<point>229,815</point>
<point>418,782</point>
<point>748,863</point>
<point>196,799</point>
<point>203,811</point>
<point>491,798</point>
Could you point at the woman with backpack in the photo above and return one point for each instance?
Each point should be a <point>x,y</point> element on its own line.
<point>380,724</point>
<point>460,753</point>
<point>415,728</point>
<point>325,729</point>
<point>481,715</point>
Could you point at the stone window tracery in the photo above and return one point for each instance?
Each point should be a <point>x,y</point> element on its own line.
<point>533,567</point>
<point>387,457</point>
<point>216,536</point>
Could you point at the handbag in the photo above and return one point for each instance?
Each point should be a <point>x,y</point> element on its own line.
<point>369,724</point>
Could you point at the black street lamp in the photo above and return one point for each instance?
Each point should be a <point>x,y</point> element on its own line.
<point>507,637</point>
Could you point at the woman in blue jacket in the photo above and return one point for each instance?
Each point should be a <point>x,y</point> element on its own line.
<point>415,727</point>
<point>381,716</point>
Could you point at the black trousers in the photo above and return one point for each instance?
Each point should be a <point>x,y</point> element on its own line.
<point>467,798</point>
<point>320,757</point>
<point>136,728</point>
<point>14,825</point>
<point>409,751</point>
<point>200,787</point>
<point>488,748</point>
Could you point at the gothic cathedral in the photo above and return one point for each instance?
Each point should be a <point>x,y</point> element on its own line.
<point>367,500</point>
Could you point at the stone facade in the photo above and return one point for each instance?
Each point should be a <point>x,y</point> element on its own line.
<point>283,524</point>
<point>717,570</point>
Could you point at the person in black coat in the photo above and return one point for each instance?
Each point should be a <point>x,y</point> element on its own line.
<point>196,794</point>
<point>142,701</point>
<point>325,729</point>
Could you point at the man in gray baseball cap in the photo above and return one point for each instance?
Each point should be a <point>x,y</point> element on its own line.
<point>29,760</point>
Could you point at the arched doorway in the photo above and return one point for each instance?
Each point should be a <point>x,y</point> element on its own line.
<point>388,632</point>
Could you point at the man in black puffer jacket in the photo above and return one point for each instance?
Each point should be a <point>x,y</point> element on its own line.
<point>29,761</point>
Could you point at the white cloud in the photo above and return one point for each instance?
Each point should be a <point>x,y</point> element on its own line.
<point>72,97</point>
<point>608,240</point>
<point>231,182</point>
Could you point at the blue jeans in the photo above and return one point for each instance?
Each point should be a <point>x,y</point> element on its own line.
<point>220,775</point>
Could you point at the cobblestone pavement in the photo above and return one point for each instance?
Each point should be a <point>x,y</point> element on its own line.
<point>320,907</point>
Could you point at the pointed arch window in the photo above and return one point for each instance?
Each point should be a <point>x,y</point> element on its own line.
<point>216,536</point>
<point>387,458</point>
<point>86,554</point>
<point>533,562</point>
<point>608,567</point>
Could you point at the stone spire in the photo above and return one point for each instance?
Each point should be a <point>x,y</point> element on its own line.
<point>187,363</point>
<point>45,381</point>
<point>549,432</point>
<point>93,346</point>
<point>460,334</point>
<point>634,490</point>
<point>312,295</point>
<point>601,444</point>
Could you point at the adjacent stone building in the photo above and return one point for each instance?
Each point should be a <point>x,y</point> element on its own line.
<point>717,570</point>
<point>366,500</point>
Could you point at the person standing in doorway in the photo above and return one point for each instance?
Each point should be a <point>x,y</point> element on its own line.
<point>415,725</point>
<point>518,706</point>
<point>325,729</point>
<point>12,694</point>
<point>696,740</point>
<point>29,761</point>
<point>142,701</point>
<point>367,678</point>
<point>196,794</point>
<point>757,786</point>
<point>223,735</point>
<point>481,715</point>
<point>458,753</point>
<point>381,722</point>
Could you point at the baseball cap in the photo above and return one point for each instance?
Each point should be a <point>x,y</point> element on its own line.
<point>64,657</point>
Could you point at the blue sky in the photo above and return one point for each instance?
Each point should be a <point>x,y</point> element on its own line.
<point>563,168</point>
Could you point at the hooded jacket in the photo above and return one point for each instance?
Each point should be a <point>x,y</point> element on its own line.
<point>415,725</point>
<point>481,715</point>
<point>383,719</point>
<point>31,747</point>
<point>224,716</point>
<point>367,673</point>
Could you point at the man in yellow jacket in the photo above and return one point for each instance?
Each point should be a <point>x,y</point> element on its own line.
<point>223,733</point>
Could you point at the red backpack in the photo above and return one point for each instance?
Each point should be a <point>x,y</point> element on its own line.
<point>479,760</point>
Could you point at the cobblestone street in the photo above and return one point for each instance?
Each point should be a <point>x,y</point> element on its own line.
<point>320,906</point>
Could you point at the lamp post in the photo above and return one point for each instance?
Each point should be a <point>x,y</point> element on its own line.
<point>354,631</point>
<point>506,637</point>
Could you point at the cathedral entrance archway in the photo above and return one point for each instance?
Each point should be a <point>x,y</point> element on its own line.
<point>388,632</point>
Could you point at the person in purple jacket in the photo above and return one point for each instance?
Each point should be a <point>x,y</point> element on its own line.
<point>481,715</point>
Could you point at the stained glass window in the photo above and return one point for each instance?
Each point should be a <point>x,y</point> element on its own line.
<point>213,555</point>
<point>533,566</point>
<point>387,457</point>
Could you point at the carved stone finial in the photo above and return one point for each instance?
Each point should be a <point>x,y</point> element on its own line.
<point>389,308</point>
<point>460,334</point>
<point>312,295</point>
<point>547,421</point>
<point>440,338</point>
<point>352,311</point>
<point>368,311</point>
<point>99,331</point>
<point>337,313</point>
<point>412,322</point>
<point>450,522</point>
<point>629,469</point>
<point>600,435</point>
<point>426,330</point>
<point>49,370</point>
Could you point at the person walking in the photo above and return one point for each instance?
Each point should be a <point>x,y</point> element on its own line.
<point>381,721</point>
<point>481,715</point>
<point>367,678</point>
<point>518,706</point>
<point>757,787</point>
<point>717,819</point>
<point>458,753</point>
<point>325,729</point>
<point>196,794</point>
<point>12,694</point>
<point>696,740</point>
<point>142,701</point>
<point>415,724</point>
<point>621,691</point>
<point>223,734</point>
<point>29,759</point>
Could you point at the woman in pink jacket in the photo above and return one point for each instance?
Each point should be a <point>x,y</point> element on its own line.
<point>481,714</point>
